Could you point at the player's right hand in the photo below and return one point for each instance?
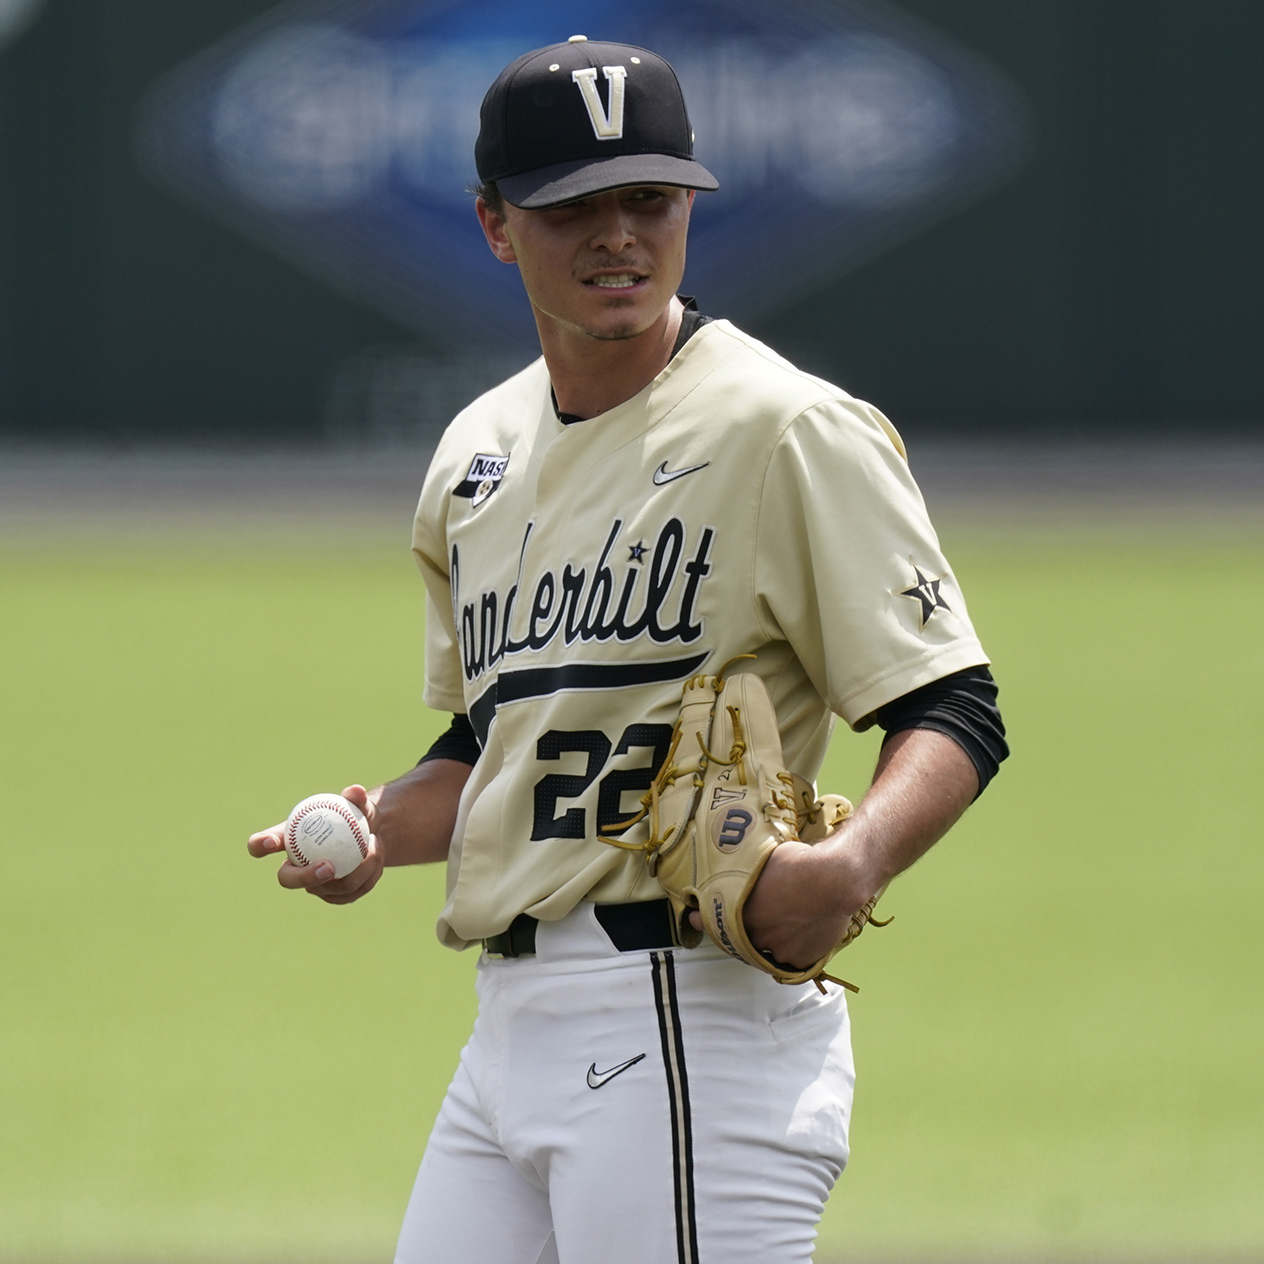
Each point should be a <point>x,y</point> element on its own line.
<point>318,879</point>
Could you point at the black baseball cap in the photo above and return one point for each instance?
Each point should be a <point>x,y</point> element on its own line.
<point>579,118</point>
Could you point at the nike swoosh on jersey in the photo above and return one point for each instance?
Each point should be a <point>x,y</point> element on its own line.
<point>597,1078</point>
<point>664,475</point>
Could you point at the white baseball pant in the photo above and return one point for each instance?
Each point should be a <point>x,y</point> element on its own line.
<point>644,1107</point>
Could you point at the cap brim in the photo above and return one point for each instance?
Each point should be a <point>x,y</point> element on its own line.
<point>566,181</point>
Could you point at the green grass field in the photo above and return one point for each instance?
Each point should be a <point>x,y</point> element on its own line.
<point>1059,1040</point>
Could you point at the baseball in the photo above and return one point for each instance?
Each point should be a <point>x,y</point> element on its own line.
<point>327,827</point>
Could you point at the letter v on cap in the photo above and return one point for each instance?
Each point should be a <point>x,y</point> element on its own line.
<point>606,126</point>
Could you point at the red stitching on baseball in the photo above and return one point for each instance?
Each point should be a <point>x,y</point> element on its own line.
<point>291,835</point>
<point>361,842</point>
<point>341,809</point>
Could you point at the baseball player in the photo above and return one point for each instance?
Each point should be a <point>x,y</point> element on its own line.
<point>656,495</point>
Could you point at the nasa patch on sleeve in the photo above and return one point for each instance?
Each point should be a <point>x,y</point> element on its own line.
<point>486,471</point>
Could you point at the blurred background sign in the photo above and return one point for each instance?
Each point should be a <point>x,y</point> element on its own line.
<point>342,135</point>
<point>1032,220</point>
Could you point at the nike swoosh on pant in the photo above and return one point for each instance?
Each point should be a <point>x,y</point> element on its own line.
<point>597,1078</point>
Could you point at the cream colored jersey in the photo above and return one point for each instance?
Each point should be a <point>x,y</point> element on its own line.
<point>578,574</point>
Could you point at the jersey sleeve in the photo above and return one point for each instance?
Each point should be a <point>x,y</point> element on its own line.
<point>848,569</point>
<point>443,688</point>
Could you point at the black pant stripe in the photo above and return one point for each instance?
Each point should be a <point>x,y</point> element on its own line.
<point>667,1004</point>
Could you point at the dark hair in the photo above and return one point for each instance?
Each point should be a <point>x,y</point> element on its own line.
<point>491,194</point>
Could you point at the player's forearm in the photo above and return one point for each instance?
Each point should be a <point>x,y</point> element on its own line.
<point>923,783</point>
<point>414,815</point>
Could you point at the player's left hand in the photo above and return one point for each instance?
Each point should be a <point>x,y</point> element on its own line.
<point>318,879</point>
<point>802,902</point>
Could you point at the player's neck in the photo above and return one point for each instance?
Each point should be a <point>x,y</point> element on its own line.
<point>590,376</point>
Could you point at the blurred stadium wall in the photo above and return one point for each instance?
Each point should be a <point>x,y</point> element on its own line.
<point>1108,282</point>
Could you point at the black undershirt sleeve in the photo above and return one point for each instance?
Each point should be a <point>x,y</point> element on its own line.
<point>457,743</point>
<point>961,706</point>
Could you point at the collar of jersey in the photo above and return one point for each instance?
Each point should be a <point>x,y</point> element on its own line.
<point>704,352</point>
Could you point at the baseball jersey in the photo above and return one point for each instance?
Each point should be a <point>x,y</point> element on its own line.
<point>578,574</point>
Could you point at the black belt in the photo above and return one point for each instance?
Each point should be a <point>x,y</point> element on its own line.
<point>644,924</point>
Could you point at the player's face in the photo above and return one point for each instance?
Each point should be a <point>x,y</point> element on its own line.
<point>605,266</point>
